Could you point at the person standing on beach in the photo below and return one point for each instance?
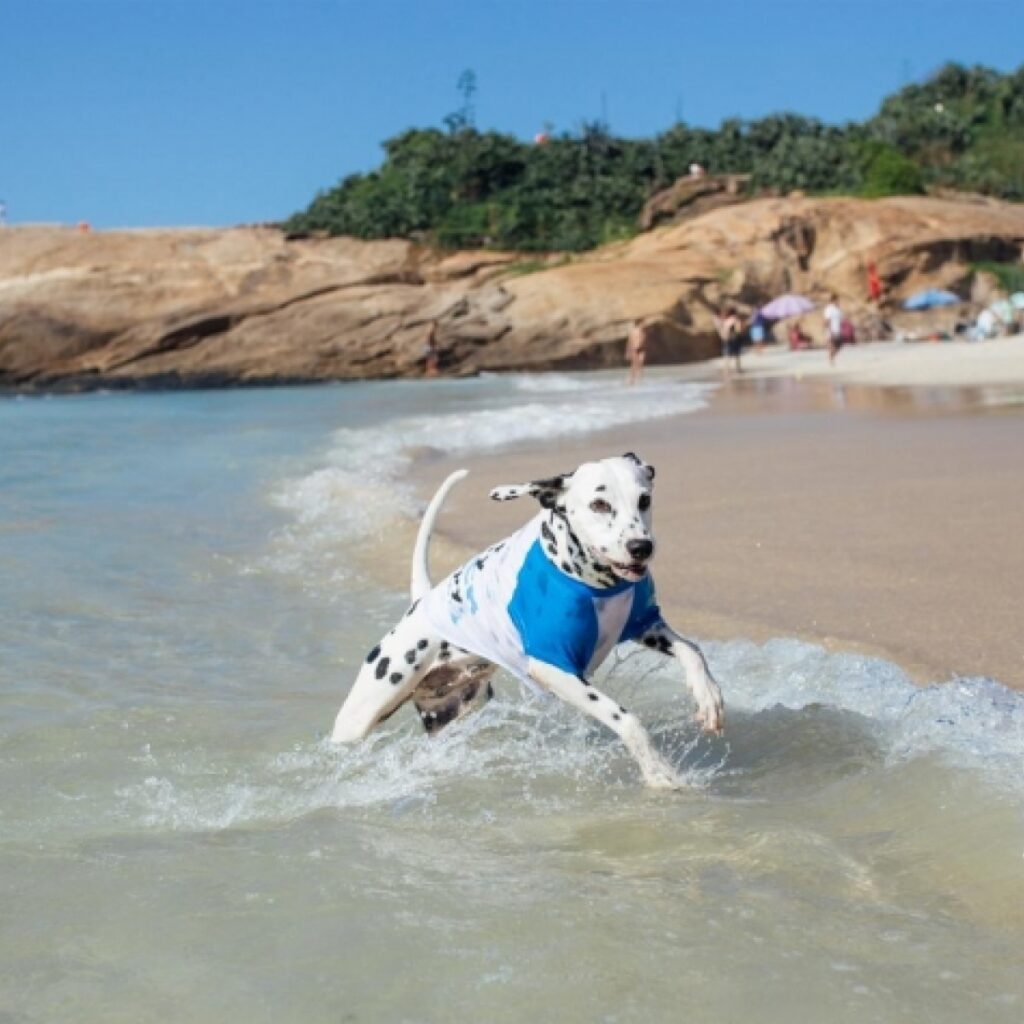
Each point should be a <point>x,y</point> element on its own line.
<point>636,351</point>
<point>731,332</point>
<point>834,326</point>
<point>758,331</point>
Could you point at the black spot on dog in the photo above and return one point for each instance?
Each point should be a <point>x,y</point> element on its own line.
<point>410,656</point>
<point>551,549</point>
<point>490,691</point>
<point>545,532</point>
<point>456,596</point>
<point>416,668</point>
<point>615,716</point>
<point>566,567</point>
<point>422,644</point>
<point>650,641</point>
<point>396,678</point>
<point>480,563</point>
<point>600,487</point>
<point>593,696</point>
<point>412,607</point>
<point>373,655</point>
<point>583,680</point>
<point>382,668</point>
<point>623,710</point>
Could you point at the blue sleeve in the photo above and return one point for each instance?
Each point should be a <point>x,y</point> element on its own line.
<point>645,612</point>
<point>557,625</point>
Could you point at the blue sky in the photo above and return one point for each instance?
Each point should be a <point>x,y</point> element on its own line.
<point>162,112</point>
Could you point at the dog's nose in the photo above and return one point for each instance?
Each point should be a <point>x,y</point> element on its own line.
<point>639,549</point>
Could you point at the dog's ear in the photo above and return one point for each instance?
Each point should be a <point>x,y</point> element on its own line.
<point>633,457</point>
<point>547,491</point>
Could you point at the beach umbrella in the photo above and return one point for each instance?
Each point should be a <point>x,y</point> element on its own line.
<point>931,297</point>
<point>786,305</point>
<point>1004,310</point>
<point>1017,298</point>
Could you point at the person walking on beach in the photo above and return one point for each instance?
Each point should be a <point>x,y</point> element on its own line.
<point>834,326</point>
<point>636,351</point>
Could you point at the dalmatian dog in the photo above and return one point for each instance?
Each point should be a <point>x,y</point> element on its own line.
<point>547,603</point>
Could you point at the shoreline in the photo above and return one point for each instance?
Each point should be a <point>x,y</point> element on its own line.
<point>877,520</point>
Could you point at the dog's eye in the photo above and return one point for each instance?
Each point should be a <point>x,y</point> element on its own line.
<point>600,505</point>
<point>645,502</point>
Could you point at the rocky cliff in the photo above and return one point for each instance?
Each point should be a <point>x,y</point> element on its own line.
<point>203,307</point>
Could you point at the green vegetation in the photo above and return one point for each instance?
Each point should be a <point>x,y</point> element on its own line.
<point>1009,275</point>
<point>523,267</point>
<point>962,128</point>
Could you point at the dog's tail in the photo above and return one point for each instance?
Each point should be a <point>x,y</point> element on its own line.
<point>420,568</point>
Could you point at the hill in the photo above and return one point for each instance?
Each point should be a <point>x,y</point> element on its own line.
<point>963,129</point>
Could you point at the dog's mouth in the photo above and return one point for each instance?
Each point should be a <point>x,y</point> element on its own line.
<point>629,570</point>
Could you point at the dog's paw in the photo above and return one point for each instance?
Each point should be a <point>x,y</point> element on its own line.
<point>661,777</point>
<point>711,711</point>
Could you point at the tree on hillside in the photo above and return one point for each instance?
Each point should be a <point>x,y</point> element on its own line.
<point>961,127</point>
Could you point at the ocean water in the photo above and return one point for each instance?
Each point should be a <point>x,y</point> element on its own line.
<point>187,585</point>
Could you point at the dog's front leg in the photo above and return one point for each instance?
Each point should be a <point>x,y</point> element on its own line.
<point>578,692</point>
<point>710,708</point>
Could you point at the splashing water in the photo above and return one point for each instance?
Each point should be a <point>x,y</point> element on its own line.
<point>178,839</point>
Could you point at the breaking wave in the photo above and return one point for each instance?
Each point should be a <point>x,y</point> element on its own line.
<point>357,485</point>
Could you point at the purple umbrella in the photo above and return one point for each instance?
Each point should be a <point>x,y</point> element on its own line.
<point>786,305</point>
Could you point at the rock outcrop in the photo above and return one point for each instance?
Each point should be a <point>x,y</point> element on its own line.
<point>691,196</point>
<point>204,307</point>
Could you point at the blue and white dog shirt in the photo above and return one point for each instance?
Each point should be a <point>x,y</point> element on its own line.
<point>512,603</point>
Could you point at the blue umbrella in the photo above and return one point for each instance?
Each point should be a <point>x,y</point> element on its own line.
<point>931,297</point>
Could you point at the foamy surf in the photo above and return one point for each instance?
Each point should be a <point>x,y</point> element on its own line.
<point>357,488</point>
<point>828,714</point>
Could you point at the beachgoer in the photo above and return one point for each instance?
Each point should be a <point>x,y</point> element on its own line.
<point>797,338</point>
<point>874,284</point>
<point>758,330</point>
<point>985,326</point>
<point>636,350</point>
<point>732,335</point>
<point>834,326</point>
<point>431,353</point>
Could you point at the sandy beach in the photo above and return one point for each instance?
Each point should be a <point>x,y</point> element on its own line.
<point>815,502</point>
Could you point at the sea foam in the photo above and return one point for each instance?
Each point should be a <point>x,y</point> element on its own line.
<point>356,486</point>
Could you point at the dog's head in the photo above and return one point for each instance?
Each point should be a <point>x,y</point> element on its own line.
<point>607,505</point>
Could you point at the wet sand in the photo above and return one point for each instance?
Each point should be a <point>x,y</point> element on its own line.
<point>885,521</point>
